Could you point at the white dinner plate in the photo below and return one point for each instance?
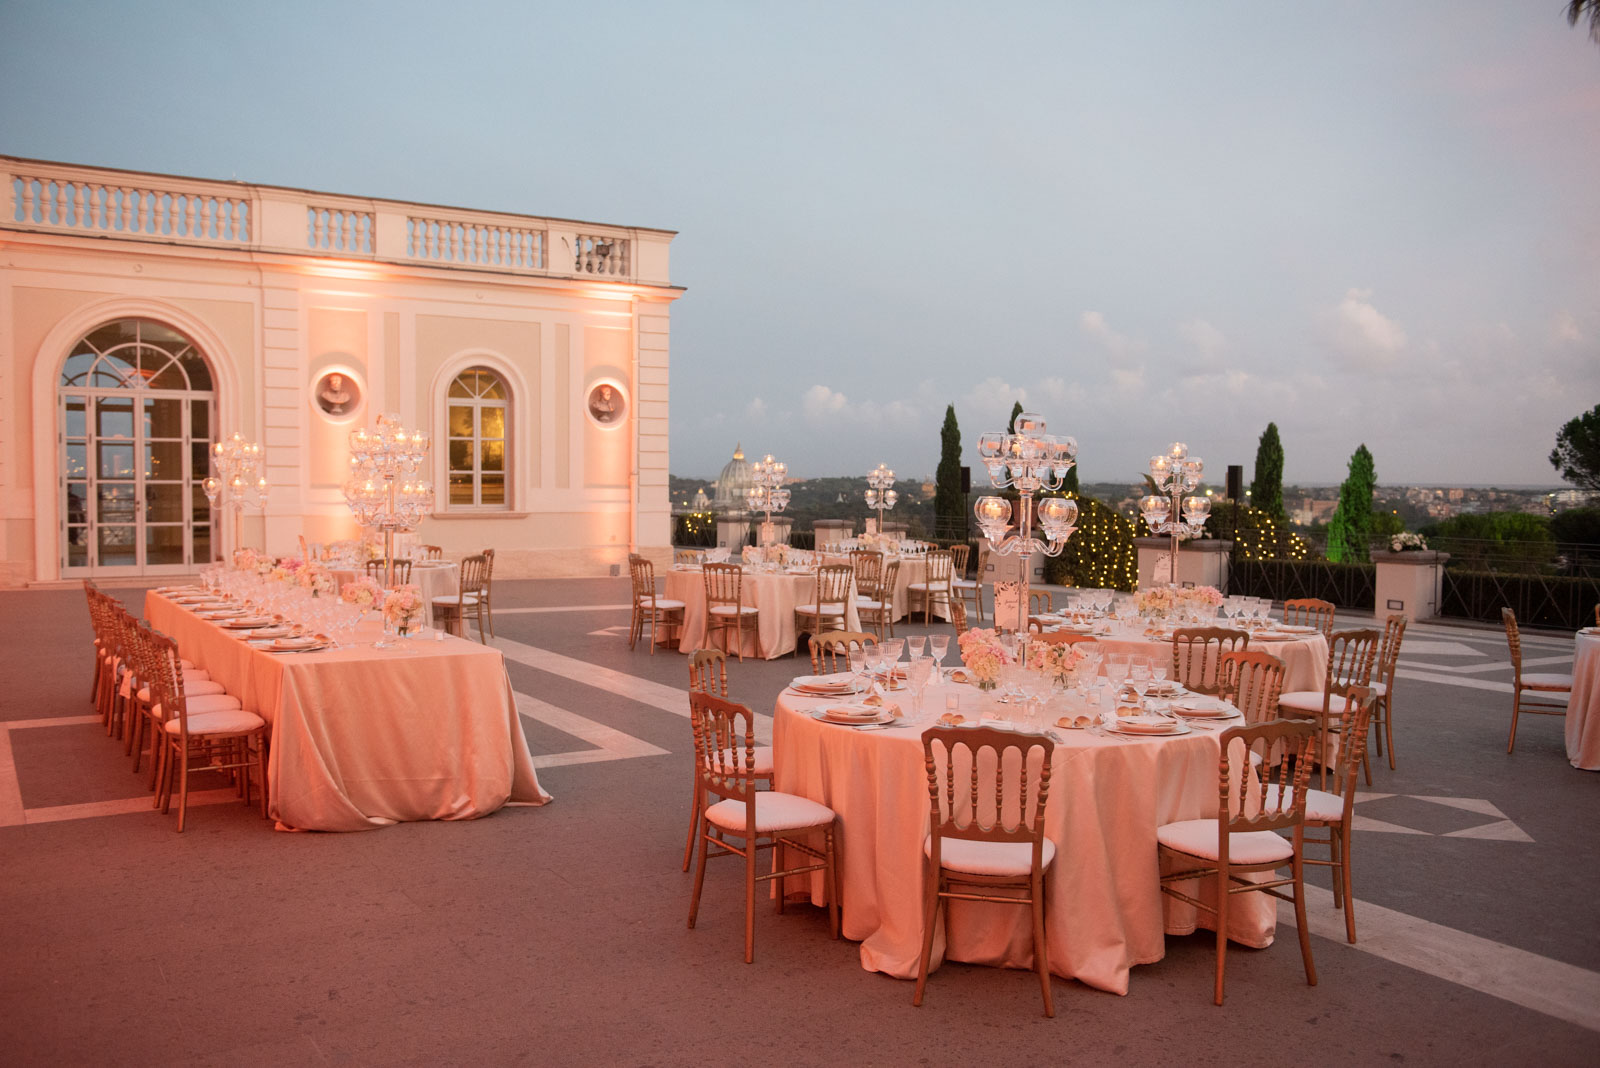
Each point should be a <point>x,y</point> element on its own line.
<point>1148,727</point>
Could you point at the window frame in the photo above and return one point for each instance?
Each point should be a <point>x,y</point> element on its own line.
<point>478,404</point>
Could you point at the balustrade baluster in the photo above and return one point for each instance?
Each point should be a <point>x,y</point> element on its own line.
<point>188,215</point>
<point>28,204</point>
<point>76,204</point>
<point>124,208</point>
<point>455,242</point>
<point>144,210</point>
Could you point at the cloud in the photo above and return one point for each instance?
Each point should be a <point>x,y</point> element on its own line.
<point>819,402</point>
<point>1094,324</point>
<point>1364,333</point>
<point>1565,329</point>
<point>756,410</point>
<point>1203,336</point>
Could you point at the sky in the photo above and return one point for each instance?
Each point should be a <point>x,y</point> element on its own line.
<point>1366,221</point>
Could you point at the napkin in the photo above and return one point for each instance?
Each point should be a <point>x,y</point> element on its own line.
<point>1146,725</point>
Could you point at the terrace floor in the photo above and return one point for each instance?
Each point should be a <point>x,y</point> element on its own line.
<point>556,935</point>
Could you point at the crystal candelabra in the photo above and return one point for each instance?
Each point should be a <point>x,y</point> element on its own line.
<point>238,481</point>
<point>1030,461</point>
<point>766,492</point>
<point>880,492</point>
<point>1175,473</point>
<point>383,491</point>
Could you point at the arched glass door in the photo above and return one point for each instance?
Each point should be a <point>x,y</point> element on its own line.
<point>136,418</point>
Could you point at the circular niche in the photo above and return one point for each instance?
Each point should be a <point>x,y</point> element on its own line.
<point>337,394</point>
<point>606,403</point>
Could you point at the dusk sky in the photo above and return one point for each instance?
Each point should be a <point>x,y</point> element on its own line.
<point>1366,221</point>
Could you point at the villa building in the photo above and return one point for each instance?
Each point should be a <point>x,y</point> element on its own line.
<point>145,317</point>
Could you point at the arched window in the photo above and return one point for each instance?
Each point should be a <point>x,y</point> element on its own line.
<point>478,417</point>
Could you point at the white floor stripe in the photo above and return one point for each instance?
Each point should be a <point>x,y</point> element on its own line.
<point>611,743</point>
<point>11,813</point>
<point>1452,680</point>
<point>1504,665</point>
<point>124,805</point>
<point>59,721</point>
<point>564,608</point>
<point>1547,986</point>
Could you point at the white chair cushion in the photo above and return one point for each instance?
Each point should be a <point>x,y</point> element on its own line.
<point>1307,702</point>
<point>1320,805</point>
<point>761,763</point>
<point>775,812</point>
<point>924,587</point>
<point>868,603</point>
<point>199,706</point>
<point>663,604</point>
<point>1198,838</point>
<point>988,858</point>
<point>452,601</point>
<point>1536,680</point>
<point>730,610</point>
<point>230,721</point>
<point>965,584</point>
<point>187,665</point>
<point>827,610</point>
<point>1380,689</point>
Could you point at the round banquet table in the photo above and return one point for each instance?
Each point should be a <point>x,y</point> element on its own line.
<point>774,594</point>
<point>1583,707</point>
<point>913,568</point>
<point>432,578</point>
<point>1105,911</point>
<point>1305,660</point>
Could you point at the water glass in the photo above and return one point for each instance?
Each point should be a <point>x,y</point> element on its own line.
<point>915,644</point>
<point>917,674</point>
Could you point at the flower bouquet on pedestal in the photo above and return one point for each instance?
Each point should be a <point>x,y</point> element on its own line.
<point>1199,602</point>
<point>402,609</point>
<point>1057,663</point>
<point>318,579</point>
<point>983,656</point>
<point>1156,602</point>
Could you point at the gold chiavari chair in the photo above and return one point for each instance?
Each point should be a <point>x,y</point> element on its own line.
<point>1251,682</point>
<point>1333,811</point>
<point>868,565</point>
<point>402,571</point>
<point>878,610</point>
<point>725,607</point>
<point>830,653</point>
<point>708,673</point>
<point>1310,612</point>
<point>755,819</point>
<point>1394,631</point>
<point>1062,637</point>
<point>649,609</point>
<point>451,612</point>
<point>1544,692</point>
<point>963,587</point>
<point>207,741</point>
<point>432,552</point>
<point>1240,839</point>
<point>958,616</point>
<point>970,860</point>
<point>688,557</point>
<point>488,592</point>
<point>1350,657</point>
<point>827,611</point>
<point>934,589</point>
<point>1197,655</point>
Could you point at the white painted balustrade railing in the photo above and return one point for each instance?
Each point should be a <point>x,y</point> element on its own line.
<point>120,205</point>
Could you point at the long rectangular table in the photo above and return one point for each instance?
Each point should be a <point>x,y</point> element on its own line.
<point>363,737</point>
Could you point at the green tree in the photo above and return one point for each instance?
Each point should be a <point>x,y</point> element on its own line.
<point>949,503</point>
<point>1578,10</point>
<point>1266,487</point>
<point>1350,529</point>
<point>1577,451</point>
<point>1016,410</point>
<point>1099,555</point>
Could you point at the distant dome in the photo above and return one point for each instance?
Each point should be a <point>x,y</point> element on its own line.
<point>733,484</point>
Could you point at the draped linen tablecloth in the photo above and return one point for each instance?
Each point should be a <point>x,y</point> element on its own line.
<point>1305,660</point>
<point>432,578</point>
<point>1105,911</point>
<point>363,737</point>
<point>913,568</point>
<point>1583,707</point>
<point>774,594</point>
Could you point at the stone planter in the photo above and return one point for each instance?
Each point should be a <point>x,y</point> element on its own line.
<point>1409,583</point>
<point>1200,563</point>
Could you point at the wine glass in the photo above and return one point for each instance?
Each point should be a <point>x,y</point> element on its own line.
<point>1117,666</point>
<point>915,644</point>
<point>939,645</point>
<point>892,648</point>
<point>858,663</point>
<point>917,674</point>
<point>1139,674</point>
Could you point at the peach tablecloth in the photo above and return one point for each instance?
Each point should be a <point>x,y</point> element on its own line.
<point>775,594</point>
<point>365,737</point>
<point>912,569</point>
<point>1305,660</point>
<point>1105,909</point>
<point>1583,707</point>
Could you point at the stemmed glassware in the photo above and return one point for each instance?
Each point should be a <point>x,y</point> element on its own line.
<point>915,643</point>
<point>892,648</point>
<point>1117,666</point>
<point>917,674</point>
<point>858,664</point>
<point>1139,674</point>
<point>939,645</point>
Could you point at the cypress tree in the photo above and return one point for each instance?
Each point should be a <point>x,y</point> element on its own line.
<point>1266,488</point>
<point>949,503</point>
<point>1350,529</point>
<point>1016,410</point>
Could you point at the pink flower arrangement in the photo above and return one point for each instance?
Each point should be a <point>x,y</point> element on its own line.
<point>1196,598</point>
<point>362,592</point>
<point>1055,662</point>
<point>402,607</point>
<point>244,559</point>
<point>1155,601</point>
<point>982,654</point>
<point>316,578</point>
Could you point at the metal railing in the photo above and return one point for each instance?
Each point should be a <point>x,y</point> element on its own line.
<point>1538,600</point>
<point>1349,586</point>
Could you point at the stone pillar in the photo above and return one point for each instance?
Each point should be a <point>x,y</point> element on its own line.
<point>733,532</point>
<point>1410,583</point>
<point>828,531</point>
<point>1200,563</point>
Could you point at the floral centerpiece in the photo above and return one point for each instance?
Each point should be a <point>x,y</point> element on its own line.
<point>1055,662</point>
<point>244,559</point>
<point>363,592</point>
<point>876,542</point>
<point>1155,602</point>
<point>983,656</point>
<point>1199,600</point>
<point>1408,542</point>
<point>316,578</point>
<point>402,608</point>
<point>285,568</point>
